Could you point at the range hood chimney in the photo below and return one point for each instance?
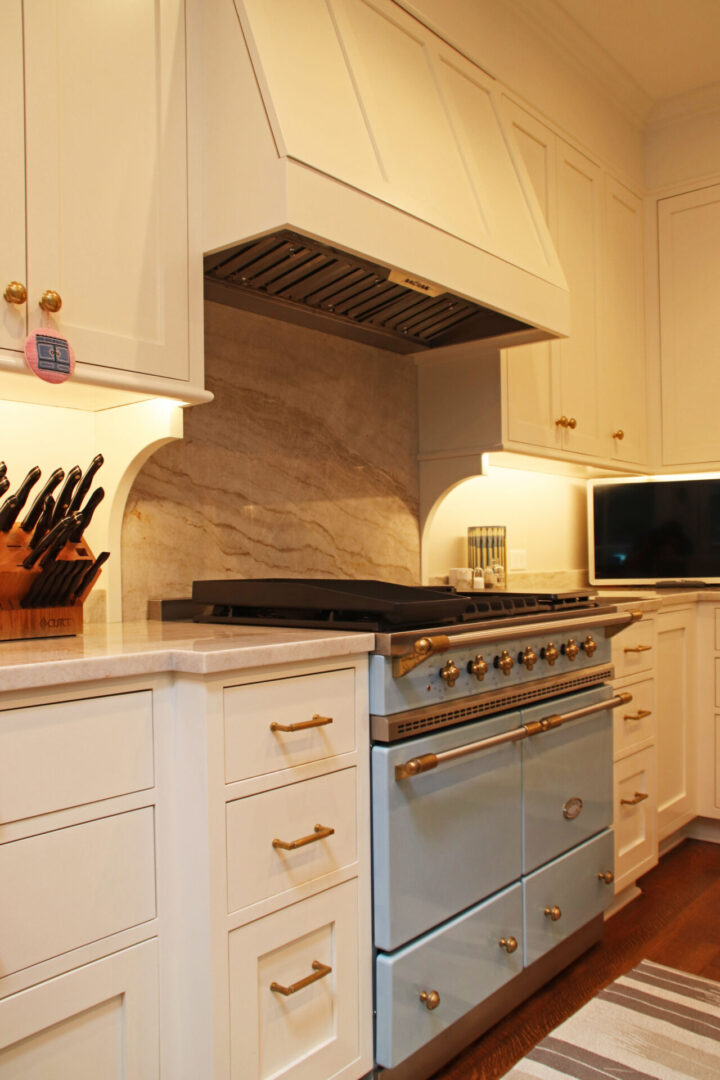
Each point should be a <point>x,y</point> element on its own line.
<point>361,178</point>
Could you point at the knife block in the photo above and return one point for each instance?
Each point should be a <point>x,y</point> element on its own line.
<point>17,621</point>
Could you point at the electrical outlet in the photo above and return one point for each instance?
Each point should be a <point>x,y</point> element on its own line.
<point>518,559</point>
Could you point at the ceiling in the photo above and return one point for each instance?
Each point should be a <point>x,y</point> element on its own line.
<point>667,47</point>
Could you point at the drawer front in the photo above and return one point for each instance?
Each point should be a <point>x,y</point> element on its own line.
<point>444,839</point>
<point>568,779</point>
<point>66,888</point>
<point>74,752</point>
<point>312,1032</point>
<point>570,885</point>
<point>636,844</point>
<point>634,724</point>
<point>257,869</point>
<point>256,712</point>
<point>462,961</point>
<point>633,649</point>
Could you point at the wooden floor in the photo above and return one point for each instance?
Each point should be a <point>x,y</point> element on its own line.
<point>675,922</point>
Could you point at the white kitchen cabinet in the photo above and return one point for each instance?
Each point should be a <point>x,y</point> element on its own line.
<point>676,724</point>
<point>706,674</point>
<point>635,800</point>
<point>106,173</point>
<point>689,276</point>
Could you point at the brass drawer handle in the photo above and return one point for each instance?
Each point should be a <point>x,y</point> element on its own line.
<point>638,648</point>
<point>321,833</point>
<point>607,876</point>
<point>553,913</point>
<point>640,796</point>
<point>508,944</point>
<point>317,721</point>
<point>639,715</point>
<point>430,999</point>
<point>319,972</point>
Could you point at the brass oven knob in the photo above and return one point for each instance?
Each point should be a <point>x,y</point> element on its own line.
<point>589,645</point>
<point>505,662</point>
<point>478,667</point>
<point>553,913</point>
<point>15,293</point>
<point>508,944</point>
<point>450,672</point>
<point>529,658</point>
<point>608,877</point>
<point>551,653</point>
<point>430,999</point>
<point>50,301</point>
<point>572,649</point>
<point>619,434</point>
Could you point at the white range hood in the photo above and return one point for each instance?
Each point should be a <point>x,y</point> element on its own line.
<point>360,176</point>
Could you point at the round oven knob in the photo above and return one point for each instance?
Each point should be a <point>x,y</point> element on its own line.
<point>572,649</point>
<point>553,913</point>
<point>505,662</point>
<point>430,998</point>
<point>478,667</point>
<point>589,645</point>
<point>529,658</point>
<point>450,672</point>
<point>550,653</point>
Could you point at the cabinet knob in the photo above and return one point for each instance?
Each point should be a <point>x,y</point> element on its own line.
<point>572,423</point>
<point>450,673</point>
<point>430,998</point>
<point>50,301</point>
<point>562,422</point>
<point>478,667</point>
<point>607,876</point>
<point>553,913</point>
<point>619,434</point>
<point>509,944</point>
<point>638,797</point>
<point>15,292</point>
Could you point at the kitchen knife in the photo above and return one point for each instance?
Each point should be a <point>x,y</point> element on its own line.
<point>14,504</point>
<point>4,484</point>
<point>58,532</point>
<point>66,493</point>
<point>61,582</point>
<point>84,485</point>
<point>88,578</point>
<point>40,589</point>
<point>3,468</point>
<point>44,522</point>
<point>54,550</point>
<point>86,514</point>
<point>71,581</point>
<point>33,514</point>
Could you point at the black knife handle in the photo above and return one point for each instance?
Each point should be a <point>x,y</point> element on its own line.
<point>4,484</point>
<point>66,493</point>
<point>84,485</point>
<point>58,532</point>
<point>44,522</point>
<point>3,468</point>
<point>88,578</point>
<point>8,512</point>
<point>33,514</point>
<point>86,514</point>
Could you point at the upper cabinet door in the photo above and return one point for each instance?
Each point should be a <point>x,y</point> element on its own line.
<point>13,317</point>
<point>107,178</point>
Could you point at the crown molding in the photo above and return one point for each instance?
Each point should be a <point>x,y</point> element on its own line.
<point>700,102</point>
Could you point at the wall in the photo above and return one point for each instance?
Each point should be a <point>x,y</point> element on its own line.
<point>682,141</point>
<point>304,464</point>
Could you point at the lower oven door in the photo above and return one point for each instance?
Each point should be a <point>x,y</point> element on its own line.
<point>444,839</point>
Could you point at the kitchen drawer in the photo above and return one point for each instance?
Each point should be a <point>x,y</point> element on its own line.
<point>66,888</point>
<point>571,885</point>
<point>634,724</point>
<point>633,649</point>
<point>253,747</point>
<point>257,869</point>
<point>313,1032</point>
<point>74,752</point>
<point>462,961</point>
<point>717,682</point>
<point>636,842</point>
<point>717,629</point>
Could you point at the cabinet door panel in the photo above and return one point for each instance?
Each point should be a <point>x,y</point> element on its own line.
<point>106,164</point>
<point>675,800</point>
<point>12,174</point>
<point>636,848</point>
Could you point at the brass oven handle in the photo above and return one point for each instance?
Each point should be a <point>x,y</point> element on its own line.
<point>321,832</point>
<point>639,715</point>
<point>426,762</point>
<point>637,648</point>
<point>319,972</point>
<point>639,797</point>
<point>317,721</point>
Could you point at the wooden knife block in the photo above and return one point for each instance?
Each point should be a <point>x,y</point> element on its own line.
<point>15,583</point>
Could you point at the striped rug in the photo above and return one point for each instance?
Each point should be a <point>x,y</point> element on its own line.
<point>652,1024</point>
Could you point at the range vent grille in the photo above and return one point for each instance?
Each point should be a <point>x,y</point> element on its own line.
<point>291,277</point>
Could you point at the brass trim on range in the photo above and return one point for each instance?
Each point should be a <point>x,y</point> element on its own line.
<point>319,972</point>
<point>639,796</point>
<point>317,721</point>
<point>321,832</point>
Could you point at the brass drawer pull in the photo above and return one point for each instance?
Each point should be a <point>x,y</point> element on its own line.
<point>508,944</point>
<point>639,715</point>
<point>639,797</point>
<point>553,913</point>
<point>321,833</point>
<point>430,999</point>
<point>638,648</point>
<point>317,721</point>
<point>319,972</point>
<point>607,876</point>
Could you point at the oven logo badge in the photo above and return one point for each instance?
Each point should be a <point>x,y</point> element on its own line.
<point>573,808</point>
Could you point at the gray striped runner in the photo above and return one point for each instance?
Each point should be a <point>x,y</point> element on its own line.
<point>652,1024</point>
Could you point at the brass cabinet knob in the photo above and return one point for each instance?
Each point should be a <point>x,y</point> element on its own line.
<point>572,649</point>
<point>553,913</point>
<point>589,645</point>
<point>450,672</point>
<point>572,423</point>
<point>550,653</point>
<point>430,998</point>
<point>50,301</point>
<point>562,422</point>
<point>478,667</point>
<point>509,944</point>
<point>619,434</point>
<point>607,876</point>
<point>505,662</point>
<point>15,292</point>
<point>529,658</point>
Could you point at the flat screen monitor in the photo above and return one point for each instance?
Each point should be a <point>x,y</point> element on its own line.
<point>651,529</point>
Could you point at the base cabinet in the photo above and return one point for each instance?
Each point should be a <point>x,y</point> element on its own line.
<point>636,838</point>
<point>675,720</point>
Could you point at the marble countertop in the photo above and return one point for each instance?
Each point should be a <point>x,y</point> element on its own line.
<point>646,600</point>
<point>141,648</point>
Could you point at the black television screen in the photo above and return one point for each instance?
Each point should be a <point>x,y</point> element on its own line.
<point>654,530</point>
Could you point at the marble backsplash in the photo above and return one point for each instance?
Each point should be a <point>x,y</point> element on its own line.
<point>303,465</point>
